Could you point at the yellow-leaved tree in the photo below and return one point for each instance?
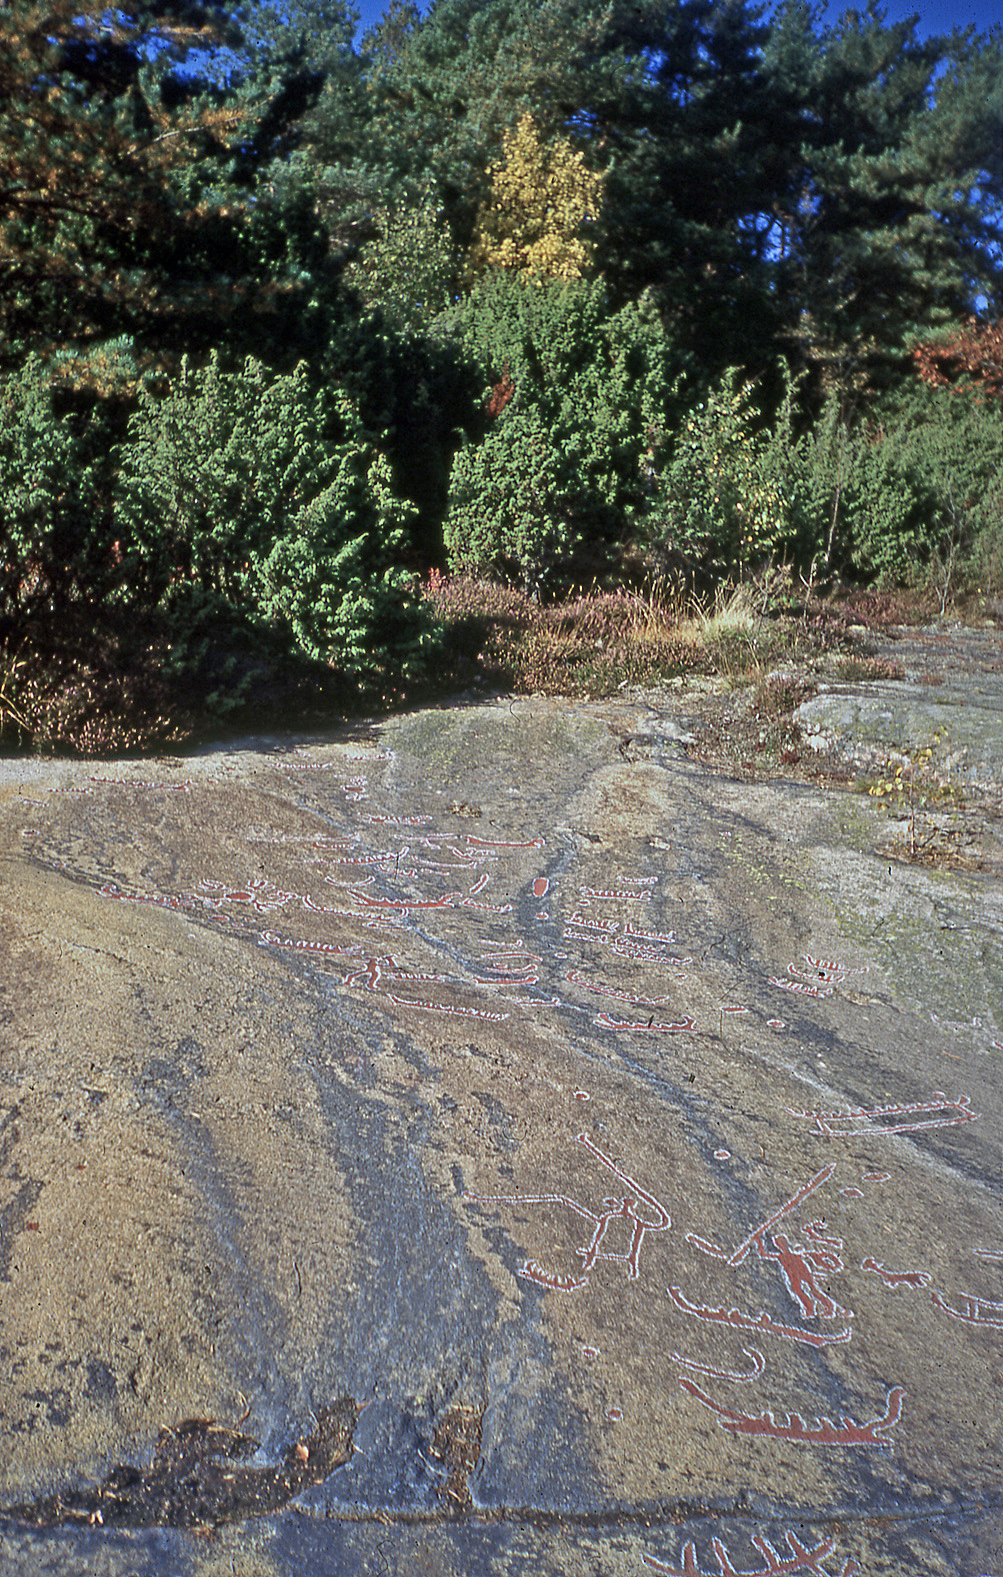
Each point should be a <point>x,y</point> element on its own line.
<point>542,196</point>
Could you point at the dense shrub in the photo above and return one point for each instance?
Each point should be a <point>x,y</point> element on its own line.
<point>55,505</point>
<point>236,534</point>
<point>257,496</point>
<point>917,495</point>
<point>722,503</point>
<point>909,498</point>
<point>576,403</point>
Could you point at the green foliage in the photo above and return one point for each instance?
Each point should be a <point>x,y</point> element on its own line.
<point>771,187</point>
<point>722,506</point>
<point>894,500</point>
<point>257,495</point>
<point>887,218</point>
<point>409,269</point>
<point>904,498</point>
<point>54,505</point>
<point>577,405</point>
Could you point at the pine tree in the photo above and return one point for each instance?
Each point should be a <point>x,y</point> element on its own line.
<point>99,202</point>
<point>889,222</point>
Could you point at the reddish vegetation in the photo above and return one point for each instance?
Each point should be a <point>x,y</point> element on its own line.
<point>971,356</point>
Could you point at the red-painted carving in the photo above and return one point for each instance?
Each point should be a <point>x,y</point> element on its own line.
<point>604,927</point>
<point>647,955</point>
<point>613,894</point>
<point>269,939</point>
<point>800,1267</point>
<point>406,905</point>
<point>763,1321</point>
<point>896,1278</point>
<point>109,890</point>
<point>262,897</point>
<point>758,1365</point>
<point>919,1115</point>
<point>823,1433</point>
<point>376,970</point>
<point>611,991</point>
<point>736,1256</point>
<point>819,977</point>
<point>639,1026</point>
<point>648,936</point>
<point>625,1209</point>
<point>443,1007</point>
<point>803,1558</point>
<point>973,1311</point>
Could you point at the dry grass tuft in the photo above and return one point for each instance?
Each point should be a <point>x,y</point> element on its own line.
<point>592,644</point>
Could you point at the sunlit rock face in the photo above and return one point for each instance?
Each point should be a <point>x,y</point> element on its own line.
<point>469,1138</point>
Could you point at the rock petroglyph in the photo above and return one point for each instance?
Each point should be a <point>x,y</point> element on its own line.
<point>307,1092</point>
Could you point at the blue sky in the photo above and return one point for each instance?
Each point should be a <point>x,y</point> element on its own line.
<point>936,16</point>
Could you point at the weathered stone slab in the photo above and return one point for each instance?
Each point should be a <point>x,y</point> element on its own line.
<point>951,703</point>
<point>490,1142</point>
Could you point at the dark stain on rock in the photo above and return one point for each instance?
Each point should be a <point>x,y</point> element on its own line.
<point>197,1479</point>
<point>457,1443</point>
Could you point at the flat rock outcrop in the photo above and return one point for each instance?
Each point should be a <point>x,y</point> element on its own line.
<point>487,1141</point>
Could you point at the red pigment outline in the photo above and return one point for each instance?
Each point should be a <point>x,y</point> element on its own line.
<point>110,890</point>
<point>441,1007</point>
<point>758,1365</point>
<point>254,894</point>
<point>404,905</point>
<point>799,1267</point>
<point>763,1321</point>
<point>800,986</point>
<point>611,991</point>
<point>938,1102</point>
<point>640,1027</point>
<point>622,1211</point>
<point>648,936</point>
<point>738,1254</point>
<point>971,1310</point>
<point>613,894</point>
<point>389,858</point>
<point>395,821</point>
<point>825,1433</point>
<point>896,1278</point>
<point>648,955</point>
<point>374,971</point>
<point>269,939</point>
<point>801,1559</point>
